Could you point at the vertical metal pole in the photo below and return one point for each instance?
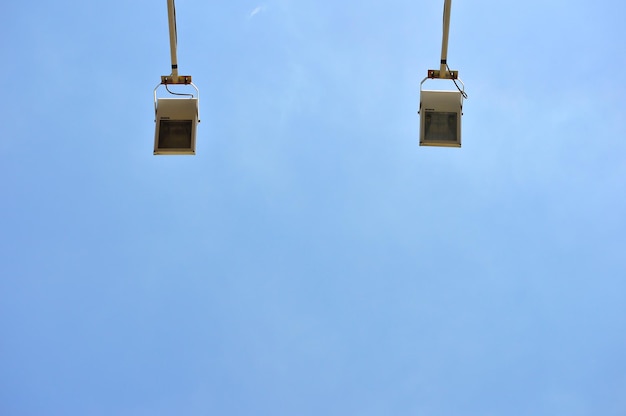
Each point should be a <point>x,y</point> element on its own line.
<point>171,14</point>
<point>446,30</point>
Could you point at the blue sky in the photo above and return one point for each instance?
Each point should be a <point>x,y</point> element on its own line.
<point>312,259</point>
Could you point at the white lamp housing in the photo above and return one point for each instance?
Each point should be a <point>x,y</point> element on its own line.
<point>176,121</point>
<point>440,118</point>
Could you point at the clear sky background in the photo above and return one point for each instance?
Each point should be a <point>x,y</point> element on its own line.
<point>312,259</point>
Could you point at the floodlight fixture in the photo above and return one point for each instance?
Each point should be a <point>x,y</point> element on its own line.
<point>176,118</point>
<point>176,122</point>
<point>440,118</point>
<point>440,111</point>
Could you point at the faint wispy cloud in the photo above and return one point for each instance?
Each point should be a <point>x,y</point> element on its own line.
<point>256,11</point>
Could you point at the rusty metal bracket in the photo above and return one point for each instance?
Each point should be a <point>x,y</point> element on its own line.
<point>175,79</point>
<point>438,74</point>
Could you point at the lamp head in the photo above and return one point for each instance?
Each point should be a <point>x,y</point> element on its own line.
<point>440,118</point>
<point>176,121</point>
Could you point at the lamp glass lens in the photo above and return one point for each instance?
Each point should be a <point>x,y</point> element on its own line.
<point>440,126</point>
<point>175,134</point>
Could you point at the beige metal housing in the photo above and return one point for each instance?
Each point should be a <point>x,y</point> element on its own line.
<point>176,122</point>
<point>440,118</point>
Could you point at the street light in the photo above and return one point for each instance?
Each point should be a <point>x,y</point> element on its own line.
<point>176,118</point>
<point>440,111</point>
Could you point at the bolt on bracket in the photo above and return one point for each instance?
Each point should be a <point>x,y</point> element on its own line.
<point>178,79</point>
<point>437,74</point>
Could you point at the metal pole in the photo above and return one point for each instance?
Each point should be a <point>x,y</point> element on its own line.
<point>171,13</point>
<point>444,44</point>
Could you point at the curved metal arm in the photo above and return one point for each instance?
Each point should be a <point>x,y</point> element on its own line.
<point>171,15</point>
<point>447,6</point>
<point>174,78</point>
<point>444,71</point>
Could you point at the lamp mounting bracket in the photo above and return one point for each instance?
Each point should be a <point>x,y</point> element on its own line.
<point>437,74</point>
<point>175,79</point>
